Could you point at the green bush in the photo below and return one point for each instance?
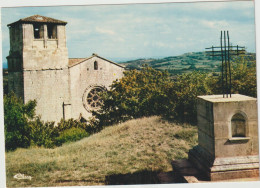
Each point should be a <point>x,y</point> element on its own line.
<point>150,92</point>
<point>16,121</point>
<point>89,126</point>
<point>48,135</point>
<point>183,94</point>
<point>23,129</point>
<point>70,123</point>
<point>43,133</point>
<point>243,78</point>
<point>71,135</point>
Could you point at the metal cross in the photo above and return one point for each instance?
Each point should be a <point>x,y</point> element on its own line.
<point>225,50</point>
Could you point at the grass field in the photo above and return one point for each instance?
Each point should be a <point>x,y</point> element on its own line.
<point>133,152</point>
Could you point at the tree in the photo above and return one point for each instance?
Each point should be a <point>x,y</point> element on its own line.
<point>183,95</point>
<point>16,121</point>
<point>244,77</point>
<point>137,94</point>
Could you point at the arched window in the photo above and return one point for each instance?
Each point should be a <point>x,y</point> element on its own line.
<point>238,125</point>
<point>95,65</point>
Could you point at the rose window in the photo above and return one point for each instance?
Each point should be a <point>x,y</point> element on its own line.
<point>92,98</point>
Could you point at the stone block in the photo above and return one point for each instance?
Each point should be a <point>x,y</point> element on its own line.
<point>206,142</point>
<point>221,130</point>
<point>227,175</point>
<point>205,126</point>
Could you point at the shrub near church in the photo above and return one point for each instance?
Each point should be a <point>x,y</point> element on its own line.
<point>24,129</point>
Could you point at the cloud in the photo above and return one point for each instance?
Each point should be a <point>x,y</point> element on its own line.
<point>214,24</point>
<point>220,6</point>
<point>105,31</point>
<point>163,45</point>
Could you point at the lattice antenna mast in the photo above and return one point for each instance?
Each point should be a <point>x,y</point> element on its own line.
<point>225,51</point>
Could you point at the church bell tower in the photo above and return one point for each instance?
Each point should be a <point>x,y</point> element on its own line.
<point>38,64</point>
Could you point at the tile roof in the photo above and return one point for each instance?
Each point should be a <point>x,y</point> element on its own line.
<point>74,61</point>
<point>38,19</point>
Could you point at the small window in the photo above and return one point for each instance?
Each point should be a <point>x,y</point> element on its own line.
<point>52,31</point>
<point>95,65</point>
<point>38,31</point>
<point>238,124</point>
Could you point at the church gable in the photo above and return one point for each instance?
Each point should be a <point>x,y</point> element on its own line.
<point>76,61</point>
<point>87,77</point>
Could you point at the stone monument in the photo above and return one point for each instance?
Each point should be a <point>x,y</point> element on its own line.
<point>228,137</point>
<point>228,140</point>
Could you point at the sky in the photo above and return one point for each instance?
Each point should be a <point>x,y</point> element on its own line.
<point>125,32</point>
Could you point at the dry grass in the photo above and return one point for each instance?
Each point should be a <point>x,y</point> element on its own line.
<point>129,153</point>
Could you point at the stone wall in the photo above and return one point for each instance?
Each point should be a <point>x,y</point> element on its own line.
<point>16,38</point>
<point>15,61</point>
<point>45,75</point>
<point>15,83</point>
<point>206,126</point>
<point>50,89</point>
<point>40,54</point>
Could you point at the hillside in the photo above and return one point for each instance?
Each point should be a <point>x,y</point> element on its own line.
<point>133,152</point>
<point>185,63</point>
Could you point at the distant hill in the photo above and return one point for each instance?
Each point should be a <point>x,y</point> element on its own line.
<point>184,63</point>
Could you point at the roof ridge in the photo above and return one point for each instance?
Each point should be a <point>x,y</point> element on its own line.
<point>94,55</point>
<point>38,18</point>
<point>78,62</point>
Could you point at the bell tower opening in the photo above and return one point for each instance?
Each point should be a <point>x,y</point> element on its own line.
<point>38,31</point>
<point>52,31</point>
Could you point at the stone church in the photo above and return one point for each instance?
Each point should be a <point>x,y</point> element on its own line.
<point>39,68</point>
